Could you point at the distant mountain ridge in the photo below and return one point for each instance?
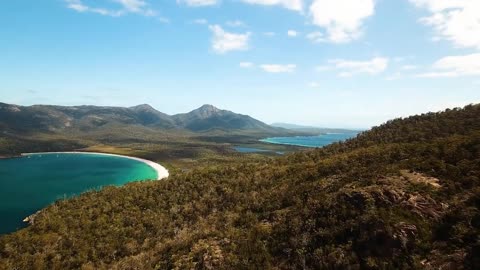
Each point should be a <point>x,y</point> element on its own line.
<point>49,118</point>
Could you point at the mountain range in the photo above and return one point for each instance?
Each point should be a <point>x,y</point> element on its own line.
<point>48,118</point>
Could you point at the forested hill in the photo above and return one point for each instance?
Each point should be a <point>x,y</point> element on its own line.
<point>425,127</point>
<point>405,195</point>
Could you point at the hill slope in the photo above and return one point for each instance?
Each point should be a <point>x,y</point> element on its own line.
<point>405,195</point>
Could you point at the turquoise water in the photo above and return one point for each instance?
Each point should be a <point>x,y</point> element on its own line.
<point>311,141</point>
<point>242,149</point>
<point>30,183</point>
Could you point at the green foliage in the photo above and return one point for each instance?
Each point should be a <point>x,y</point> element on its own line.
<point>368,203</point>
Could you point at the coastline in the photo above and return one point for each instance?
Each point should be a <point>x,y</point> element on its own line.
<point>162,172</point>
<point>291,144</point>
<point>9,156</point>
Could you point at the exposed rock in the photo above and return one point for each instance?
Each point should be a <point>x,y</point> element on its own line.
<point>31,219</point>
<point>416,177</point>
<point>423,205</point>
<point>440,261</point>
<point>406,234</point>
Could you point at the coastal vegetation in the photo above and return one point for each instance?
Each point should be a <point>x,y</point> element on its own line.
<point>404,195</point>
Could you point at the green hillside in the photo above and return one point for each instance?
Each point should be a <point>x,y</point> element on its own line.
<point>405,195</point>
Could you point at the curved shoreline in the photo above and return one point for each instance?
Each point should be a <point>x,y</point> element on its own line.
<point>162,172</point>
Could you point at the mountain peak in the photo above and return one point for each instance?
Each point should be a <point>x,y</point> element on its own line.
<point>206,111</point>
<point>208,107</point>
<point>142,107</point>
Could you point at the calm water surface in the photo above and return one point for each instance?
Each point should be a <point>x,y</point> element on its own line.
<point>30,183</point>
<point>311,141</point>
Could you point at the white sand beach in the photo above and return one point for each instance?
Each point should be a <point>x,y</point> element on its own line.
<point>162,172</point>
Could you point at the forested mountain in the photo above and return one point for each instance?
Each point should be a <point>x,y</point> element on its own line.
<point>405,195</point>
<point>43,118</point>
<point>208,117</point>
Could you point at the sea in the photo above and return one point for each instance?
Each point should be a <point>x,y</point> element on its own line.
<point>32,182</point>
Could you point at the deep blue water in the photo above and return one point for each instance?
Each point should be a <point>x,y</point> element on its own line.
<point>311,141</point>
<point>28,184</point>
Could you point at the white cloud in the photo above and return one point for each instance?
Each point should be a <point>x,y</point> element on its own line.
<point>235,23</point>
<point>292,33</point>
<point>296,5</point>
<point>457,21</point>
<point>126,6</point>
<point>409,67</point>
<point>223,41</point>
<point>275,68</point>
<point>394,76</point>
<point>246,64</point>
<point>163,20</point>
<point>313,85</point>
<point>455,66</point>
<point>269,34</point>
<point>348,68</point>
<point>316,37</point>
<point>323,68</point>
<point>342,19</point>
<point>198,3</point>
<point>132,5</point>
<point>77,5</point>
<point>200,21</point>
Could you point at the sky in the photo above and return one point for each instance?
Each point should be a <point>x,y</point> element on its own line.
<point>329,63</point>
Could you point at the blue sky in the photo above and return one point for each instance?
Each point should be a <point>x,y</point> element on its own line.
<point>335,63</point>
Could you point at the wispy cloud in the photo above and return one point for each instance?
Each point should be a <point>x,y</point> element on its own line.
<point>277,68</point>
<point>292,33</point>
<point>246,64</point>
<point>135,6</point>
<point>455,66</point>
<point>313,85</point>
<point>198,3</point>
<point>393,77</point>
<point>223,41</point>
<point>409,67</point>
<point>125,6</point>
<point>270,68</point>
<point>296,5</point>
<point>457,21</point>
<point>235,23</point>
<point>342,19</point>
<point>316,37</point>
<point>348,68</point>
<point>200,21</point>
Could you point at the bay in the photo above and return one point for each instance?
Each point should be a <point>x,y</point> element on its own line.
<point>30,183</point>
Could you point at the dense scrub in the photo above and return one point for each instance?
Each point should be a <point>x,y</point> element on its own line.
<point>405,195</point>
